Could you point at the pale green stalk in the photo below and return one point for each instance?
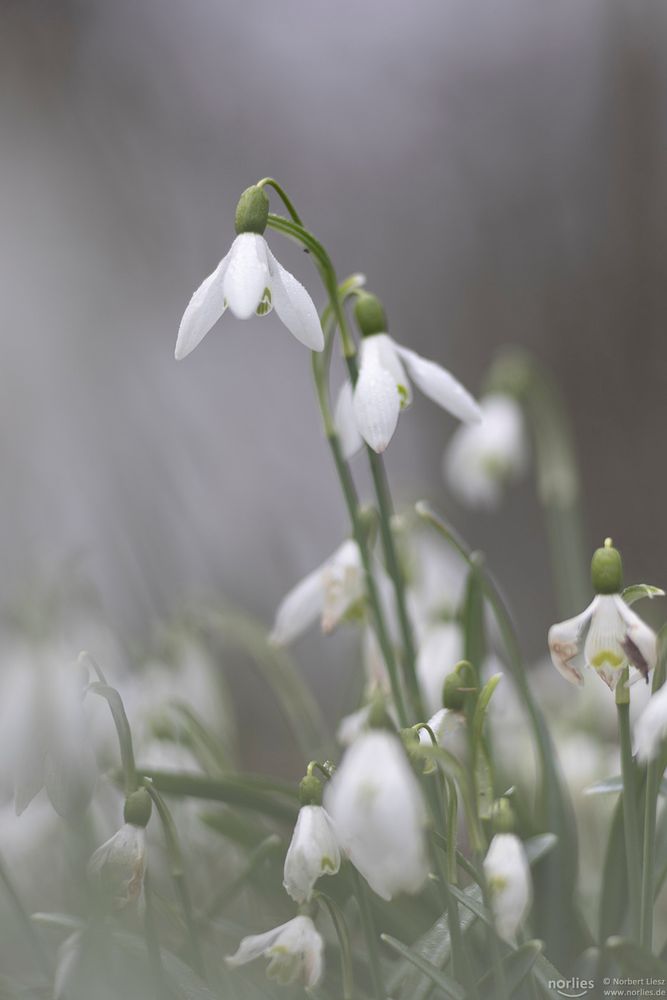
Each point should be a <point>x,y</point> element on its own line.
<point>630,804</point>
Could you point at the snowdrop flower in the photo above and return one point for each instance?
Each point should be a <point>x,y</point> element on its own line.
<point>313,851</point>
<point>370,411</point>
<point>117,867</point>
<point>440,650</point>
<point>379,815</point>
<point>294,950</point>
<point>651,726</point>
<point>617,637</point>
<point>250,281</point>
<point>482,458</point>
<point>44,737</point>
<point>328,593</point>
<point>443,724</point>
<point>508,877</point>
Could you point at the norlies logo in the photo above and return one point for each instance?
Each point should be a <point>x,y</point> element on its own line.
<point>572,988</point>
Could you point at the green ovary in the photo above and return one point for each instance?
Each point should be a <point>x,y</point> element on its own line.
<point>609,657</point>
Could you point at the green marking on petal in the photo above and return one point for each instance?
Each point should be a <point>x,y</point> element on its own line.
<point>607,656</point>
<point>266,304</point>
<point>403,394</point>
<point>327,865</point>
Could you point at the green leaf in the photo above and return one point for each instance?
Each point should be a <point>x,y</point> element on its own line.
<point>474,905</point>
<point>537,847</point>
<point>613,899</point>
<point>636,961</point>
<point>438,978</point>
<point>245,791</point>
<point>474,637</point>
<point>483,770</point>
<point>453,769</point>
<point>516,967</point>
<point>640,590</point>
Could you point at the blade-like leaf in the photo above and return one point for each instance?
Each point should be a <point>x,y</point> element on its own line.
<point>438,978</point>
<point>636,961</point>
<point>639,590</point>
<point>516,967</point>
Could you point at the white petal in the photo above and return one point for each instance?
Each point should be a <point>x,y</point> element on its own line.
<point>313,852</point>
<point>246,275</point>
<point>342,583</point>
<point>564,643</point>
<point>603,649</point>
<point>507,872</point>
<point>389,358</point>
<point>346,422</point>
<point>639,633</point>
<point>294,306</point>
<point>441,386</point>
<point>377,402</point>
<point>204,309</point>
<point>651,726</point>
<point>439,652</point>
<point>255,945</point>
<point>299,609</point>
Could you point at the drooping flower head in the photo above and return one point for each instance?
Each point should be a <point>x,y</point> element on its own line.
<point>117,868</point>
<point>369,412</point>
<point>508,877</point>
<point>294,949</point>
<point>482,458</point>
<point>313,850</point>
<point>379,814</point>
<point>616,638</point>
<point>250,281</point>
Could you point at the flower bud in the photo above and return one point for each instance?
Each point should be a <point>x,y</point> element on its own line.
<point>310,791</point>
<point>457,685</point>
<point>138,808</point>
<point>503,819</point>
<point>370,315</point>
<point>607,569</point>
<point>252,211</point>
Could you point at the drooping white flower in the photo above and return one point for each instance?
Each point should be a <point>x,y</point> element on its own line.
<point>482,458</point>
<point>443,724</point>
<point>379,815</point>
<point>249,280</point>
<point>294,949</point>
<point>313,851</point>
<point>440,649</point>
<point>616,638</point>
<point>44,735</point>
<point>328,593</point>
<point>117,867</point>
<point>508,878</point>
<point>651,726</point>
<point>370,411</point>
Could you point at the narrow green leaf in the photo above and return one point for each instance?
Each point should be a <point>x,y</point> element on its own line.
<point>472,904</point>
<point>613,899</point>
<point>636,961</point>
<point>474,636</point>
<point>234,791</point>
<point>539,846</point>
<point>516,967</point>
<point>639,590</point>
<point>482,707</point>
<point>449,986</point>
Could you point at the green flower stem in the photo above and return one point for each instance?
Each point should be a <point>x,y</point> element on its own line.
<point>370,933</point>
<point>557,474</point>
<point>117,708</point>
<point>338,921</point>
<point>330,281</point>
<point>280,191</point>
<point>177,869</point>
<point>630,804</point>
<point>394,568</point>
<point>648,856</point>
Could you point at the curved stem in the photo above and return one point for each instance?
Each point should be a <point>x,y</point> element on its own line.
<point>280,191</point>
<point>124,732</point>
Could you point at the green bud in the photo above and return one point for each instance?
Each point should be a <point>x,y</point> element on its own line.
<point>138,808</point>
<point>456,686</point>
<point>370,315</point>
<point>607,569</point>
<point>310,791</point>
<point>503,819</point>
<point>378,717</point>
<point>252,211</point>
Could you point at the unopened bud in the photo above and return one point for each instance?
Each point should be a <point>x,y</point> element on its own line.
<point>457,686</point>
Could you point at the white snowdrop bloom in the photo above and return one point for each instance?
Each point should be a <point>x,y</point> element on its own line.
<point>651,726</point>
<point>328,593</point>
<point>250,281</point>
<point>379,815</point>
<point>441,648</point>
<point>482,458</point>
<point>370,411</point>
<point>616,638</point>
<point>508,877</point>
<point>117,867</point>
<point>294,949</point>
<point>44,735</point>
<point>443,724</point>
<point>313,851</point>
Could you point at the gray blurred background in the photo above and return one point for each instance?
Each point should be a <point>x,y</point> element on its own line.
<point>496,169</point>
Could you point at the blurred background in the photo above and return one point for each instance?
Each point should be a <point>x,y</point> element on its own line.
<point>496,170</point>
